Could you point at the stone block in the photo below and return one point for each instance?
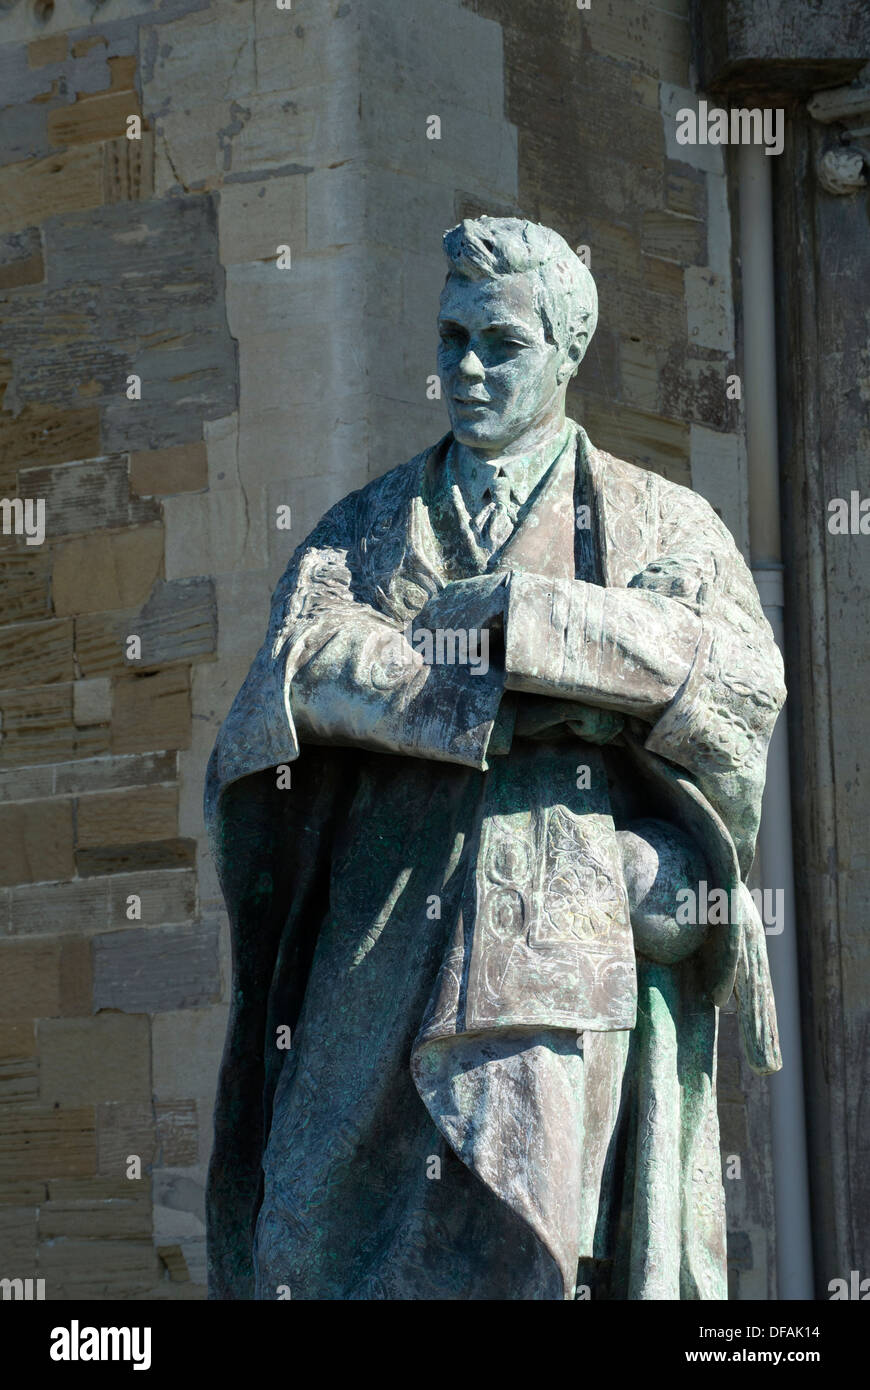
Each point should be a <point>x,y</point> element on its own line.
<point>92,702</point>
<point>255,218</point>
<point>182,468</point>
<point>115,570</point>
<point>50,49</point>
<point>452,61</point>
<point>168,285</point>
<point>44,979</point>
<point>638,369</point>
<point>93,1060</point>
<point>178,622</point>
<point>17,1040</point>
<point>23,81</point>
<point>190,375</point>
<point>20,259</point>
<point>151,712</point>
<point>719,473</point>
<point>128,169</point>
<point>47,1141</point>
<point>108,774</point>
<point>205,1116</point>
<point>177,1135</point>
<point>26,783</point>
<point>99,117</point>
<point>137,857</point>
<point>36,653</point>
<point>124,1129</point>
<point>673,238</point>
<point>639,311</point>
<point>42,434</point>
<point>397,130</point>
<point>95,904</point>
<point>215,532</point>
<point>36,189</point>
<point>200,57</point>
<point>122,68</point>
<point>81,497</point>
<point>694,389</point>
<point>19,1081</point>
<point>263,300</point>
<point>18,1240</point>
<point>37,727</point>
<point>663,278</point>
<point>25,580</point>
<point>686,193</point>
<point>23,1192</point>
<point>157,969</point>
<point>127,817</point>
<point>23,129</point>
<point>36,841</point>
<point>709,309</point>
<point>615,251</point>
<point>655,40</point>
<point>187,1048</point>
<point>44,909</point>
<point>207,144</point>
<point>97,1269</point>
<point>168,896</point>
<point>181,1195</point>
<point>97,1209</point>
<point>278,372</point>
<point>678,97</point>
<point>173,1258</point>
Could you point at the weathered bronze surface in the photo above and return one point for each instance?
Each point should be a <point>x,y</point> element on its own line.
<point>525,691</point>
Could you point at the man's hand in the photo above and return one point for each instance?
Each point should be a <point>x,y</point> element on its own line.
<point>470,604</point>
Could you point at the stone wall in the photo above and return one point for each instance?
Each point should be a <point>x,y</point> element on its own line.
<point>267,385</point>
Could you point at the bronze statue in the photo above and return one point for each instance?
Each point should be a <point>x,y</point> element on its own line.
<point>511,713</point>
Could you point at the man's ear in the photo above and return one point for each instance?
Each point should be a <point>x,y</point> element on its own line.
<point>573,357</point>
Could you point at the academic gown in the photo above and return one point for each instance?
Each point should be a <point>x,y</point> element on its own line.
<point>488,1094</point>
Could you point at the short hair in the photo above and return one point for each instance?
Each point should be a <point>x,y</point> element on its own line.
<point>484,248</point>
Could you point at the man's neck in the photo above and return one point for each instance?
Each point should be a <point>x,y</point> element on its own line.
<point>543,445</point>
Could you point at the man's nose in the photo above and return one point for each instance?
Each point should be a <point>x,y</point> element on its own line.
<point>472,367</point>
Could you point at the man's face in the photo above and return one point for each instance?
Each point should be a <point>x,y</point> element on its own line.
<point>498,372</point>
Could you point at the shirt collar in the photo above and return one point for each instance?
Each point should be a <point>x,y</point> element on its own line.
<point>524,470</point>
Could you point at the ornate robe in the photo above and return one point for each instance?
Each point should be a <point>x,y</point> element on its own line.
<point>488,1093</point>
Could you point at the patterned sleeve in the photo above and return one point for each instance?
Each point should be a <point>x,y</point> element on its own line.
<point>719,725</point>
<point>336,668</point>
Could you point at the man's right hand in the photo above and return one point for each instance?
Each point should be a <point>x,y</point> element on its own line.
<point>470,604</point>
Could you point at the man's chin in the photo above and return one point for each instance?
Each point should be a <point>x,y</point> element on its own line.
<point>479,436</point>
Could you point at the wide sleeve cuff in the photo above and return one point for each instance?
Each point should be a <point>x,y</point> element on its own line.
<point>617,649</point>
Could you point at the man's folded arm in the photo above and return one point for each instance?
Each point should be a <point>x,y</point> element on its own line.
<point>349,675</point>
<point>366,686</point>
<point>335,669</point>
<point>617,649</point>
<point>710,687</point>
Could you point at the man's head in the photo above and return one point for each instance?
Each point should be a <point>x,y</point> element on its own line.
<point>517,312</point>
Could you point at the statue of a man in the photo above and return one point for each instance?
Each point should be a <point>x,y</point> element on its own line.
<point>509,723</point>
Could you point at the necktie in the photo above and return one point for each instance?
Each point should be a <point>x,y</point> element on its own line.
<point>496,521</point>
